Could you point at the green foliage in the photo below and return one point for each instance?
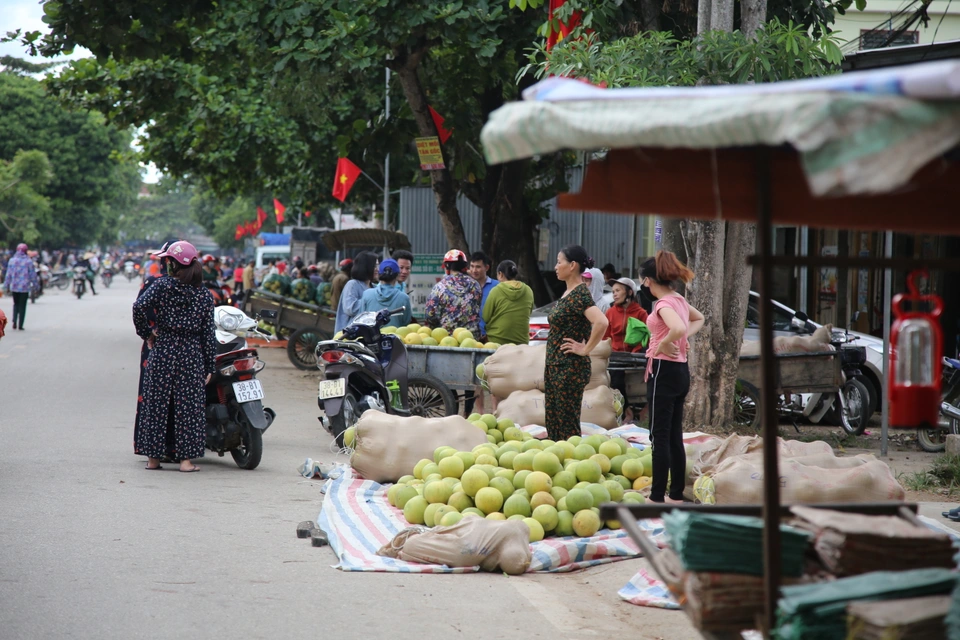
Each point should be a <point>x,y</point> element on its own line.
<point>780,52</point>
<point>159,216</point>
<point>93,170</point>
<point>23,210</point>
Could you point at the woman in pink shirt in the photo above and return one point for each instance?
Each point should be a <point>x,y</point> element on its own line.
<point>671,324</point>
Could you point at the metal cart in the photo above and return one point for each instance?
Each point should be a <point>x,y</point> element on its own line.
<point>306,324</point>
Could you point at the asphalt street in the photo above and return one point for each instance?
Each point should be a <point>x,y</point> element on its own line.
<point>94,546</point>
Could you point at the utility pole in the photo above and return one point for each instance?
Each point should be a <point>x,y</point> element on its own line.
<point>386,161</point>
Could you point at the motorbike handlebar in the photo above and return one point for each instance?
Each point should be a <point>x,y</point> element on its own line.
<point>396,312</point>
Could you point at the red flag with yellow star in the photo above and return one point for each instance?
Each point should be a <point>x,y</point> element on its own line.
<point>347,174</point>
<point>565,28</point>
<point>240,232</point>
<point>261,217</point>
<point>279,209</point>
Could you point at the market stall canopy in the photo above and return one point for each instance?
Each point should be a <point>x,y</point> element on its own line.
<point>373,238</point>
<point>834,145</point>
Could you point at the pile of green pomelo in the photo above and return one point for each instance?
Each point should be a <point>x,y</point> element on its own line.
<point>554,487</point>
<point>461,338</point>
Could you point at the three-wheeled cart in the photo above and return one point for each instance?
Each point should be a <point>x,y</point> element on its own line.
<point>452,367</point>
<point>873,150</point>
<point>306,324</point>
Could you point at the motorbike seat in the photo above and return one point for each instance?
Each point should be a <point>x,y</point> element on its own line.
<point>952,362</point>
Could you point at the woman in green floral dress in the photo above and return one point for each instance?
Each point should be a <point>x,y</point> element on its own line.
<point>576,327</point>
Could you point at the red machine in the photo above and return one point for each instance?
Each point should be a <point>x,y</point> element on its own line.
<point>916,343</point>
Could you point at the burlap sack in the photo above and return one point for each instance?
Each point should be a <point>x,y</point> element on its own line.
<point>527,407</point>
<point>519,367</point>
<point>387,447</point>
<point>710,454</point>
<point>818,341</point>
<point>492,544</point>
<point>740,481</point>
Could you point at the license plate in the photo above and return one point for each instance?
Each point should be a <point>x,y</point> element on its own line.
<point>248,391</point>
<point>333,388</point>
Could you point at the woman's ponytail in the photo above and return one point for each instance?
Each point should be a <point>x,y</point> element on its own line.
<point>665,268</point>
<point>509,269</point>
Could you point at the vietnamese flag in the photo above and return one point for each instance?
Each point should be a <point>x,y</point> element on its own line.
<point>565,29</point>
<point>240,232</point>
<point>261,217</point>
<point>251,228</point>
<point>279,209</point>
<point>438,122</point>
<point>347,174</point>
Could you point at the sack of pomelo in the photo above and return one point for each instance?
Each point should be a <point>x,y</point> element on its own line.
<point>387,447</point>
<point>492,544</point>
<point>599,406</point>
<point>519,367</point>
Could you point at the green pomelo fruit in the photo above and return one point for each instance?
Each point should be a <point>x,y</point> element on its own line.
<point>513,434</point>
<point>460,501</point>
<point>537,481</point>
<point>626,484</point>
<point>558,492</point>
<point>600,494</point>
<point>583,452</point>
<point>490,420</point>
<point>437,492</point>
<point>615,489</point>
<point>506,473</point>
<point>524,461</point>
<point>547,516</point>
<point>522,492</point>
<point>517,505</point>
<point>472,416</point>
<point>469,459</point>
<point>623,444</point>
<point>603,461</point>
<point>647,466</point>
<point>485,459</point>
<point>489,469</point>
<point>503,485</point>
<point>610,449</point>
<point>505,423</point>
<point>536,529</point>
<point>429,342</point>
<point>564,524</point>
<point>632,469</point>
<point>485,448</point>
<point>578,500</point>
<point>495,434</point>
<point>634,496</point>
<point>496,515</point>
<point>392,494</point>
<point>489,500</point>
<point>405,479</point>
<point>595,441</point>
<point>450,519</point>
<point>581,485</point>
<point>433,467</point>
<point>473,480</point>
<point>513,446</point>
<point>547,463</point>
<point>575,440</point>
<point>565,480</point>
<point>439,334</point>
<point>520,478</point>
<point>633,452</point>
<point>529,445</point>
<point>404,495</point>
<point>449,342</point>
<point>540,498</point>
<point>349,436</point>
<point>616,463</point>
<point>473,511</point>
<point>507,458</point>
<point>516,516</point>
<point>589,471</point>
<point>557,450</point>
<point>430,513</point>
<point>414,509</point>
<point>433,477</point>
<point>586,523</point>
<point>451,467</point>
<point>440,512</point>
<point>562,504</point>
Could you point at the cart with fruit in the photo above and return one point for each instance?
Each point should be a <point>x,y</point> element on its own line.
<point>454,367</point>
<point>301,323</point>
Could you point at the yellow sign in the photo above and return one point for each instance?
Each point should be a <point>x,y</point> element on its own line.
<point>431,156</point>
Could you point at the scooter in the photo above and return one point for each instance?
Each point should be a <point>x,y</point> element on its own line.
<point>106,277</point>
<point>79,283</point>
<point>367,370</point>
<point>934,440</point>
<point>129,270</point>
<point>236,417</point>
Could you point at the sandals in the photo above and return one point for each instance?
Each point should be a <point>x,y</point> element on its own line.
<point>194,469</point>
<point>156,468</point>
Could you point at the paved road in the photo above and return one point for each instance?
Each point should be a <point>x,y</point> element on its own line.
<point>93,546</point>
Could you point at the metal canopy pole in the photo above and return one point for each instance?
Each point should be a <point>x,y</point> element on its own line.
<point>887,290</point>
<point>386,165</point>
<point>768,370</point>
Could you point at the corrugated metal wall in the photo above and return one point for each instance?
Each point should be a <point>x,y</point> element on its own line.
<point>607,237</point>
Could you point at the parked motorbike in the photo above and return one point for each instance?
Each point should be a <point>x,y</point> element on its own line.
<point>60,279</point>
<point>934,440</point>
<point>236,417</point>
<point>79,282</point>
<point>106,277</point>
<point>365,370</point>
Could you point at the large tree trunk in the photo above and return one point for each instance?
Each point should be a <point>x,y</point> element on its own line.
<point>720,291</point>
<point>406,65</point>
<point>714,15</point>
<point>650,14</point>
<point>753,15</point>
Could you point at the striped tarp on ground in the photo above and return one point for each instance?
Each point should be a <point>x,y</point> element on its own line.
<point>358,520</point>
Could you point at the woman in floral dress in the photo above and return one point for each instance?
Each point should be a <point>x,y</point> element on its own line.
<point>151,315</point>
<point>576,327</point>
<point>181,361</point>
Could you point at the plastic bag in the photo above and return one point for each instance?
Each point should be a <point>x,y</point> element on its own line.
<point>637,332</point>
<point>490,544</point>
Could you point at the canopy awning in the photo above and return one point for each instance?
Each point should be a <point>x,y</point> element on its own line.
<point>372,238</point>
<point>860,133</point>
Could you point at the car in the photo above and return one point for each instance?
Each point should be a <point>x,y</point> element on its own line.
<point>783,325</point>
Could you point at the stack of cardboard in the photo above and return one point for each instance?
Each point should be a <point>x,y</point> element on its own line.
<point>898,619</point>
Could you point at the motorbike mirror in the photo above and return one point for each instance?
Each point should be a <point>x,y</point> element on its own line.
<point>801,316</point>
<point>267,315</point>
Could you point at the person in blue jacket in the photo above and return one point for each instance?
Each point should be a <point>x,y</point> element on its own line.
<point>386,295</point>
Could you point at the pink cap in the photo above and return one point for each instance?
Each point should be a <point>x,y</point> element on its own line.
<point>181,251</point>
<point>22,246</point>
<point>586,275</point>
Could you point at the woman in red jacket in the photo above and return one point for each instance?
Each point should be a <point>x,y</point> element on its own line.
<point>624,306</point>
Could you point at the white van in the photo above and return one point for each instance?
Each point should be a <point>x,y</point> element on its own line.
<point>271,252</point>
